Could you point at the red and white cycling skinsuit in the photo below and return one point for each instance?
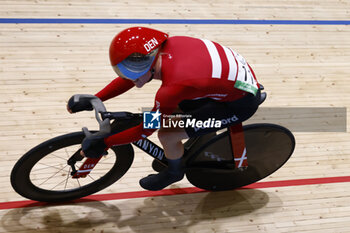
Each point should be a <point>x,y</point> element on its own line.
<point>191,69</point>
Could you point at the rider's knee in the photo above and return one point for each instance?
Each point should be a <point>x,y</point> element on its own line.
<point>167,136</point>
<point>164,135</point>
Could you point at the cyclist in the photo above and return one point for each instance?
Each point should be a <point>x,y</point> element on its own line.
<point>203,78</point>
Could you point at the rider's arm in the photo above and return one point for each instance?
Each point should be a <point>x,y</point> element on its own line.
<point>116,87</point>
<point>166,101</point>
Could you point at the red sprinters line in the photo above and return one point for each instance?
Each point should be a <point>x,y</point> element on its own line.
<point>169,192</point>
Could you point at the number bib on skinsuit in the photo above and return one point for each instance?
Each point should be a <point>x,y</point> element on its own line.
<point>245,80</point>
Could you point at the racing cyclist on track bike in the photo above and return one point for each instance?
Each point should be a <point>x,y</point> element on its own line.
<point>202,78</point>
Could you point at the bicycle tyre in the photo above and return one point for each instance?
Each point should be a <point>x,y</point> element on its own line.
<point>22,184</point>
<point>269,147</point>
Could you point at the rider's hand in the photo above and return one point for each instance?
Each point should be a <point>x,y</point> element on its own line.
<point>81,104</point>
<point>93,147</point>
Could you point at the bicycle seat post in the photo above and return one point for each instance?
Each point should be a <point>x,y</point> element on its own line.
<point>238,146</point>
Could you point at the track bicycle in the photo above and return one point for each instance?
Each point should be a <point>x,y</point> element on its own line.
<point>54,171</point>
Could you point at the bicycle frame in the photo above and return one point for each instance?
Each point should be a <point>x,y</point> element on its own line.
<point>151,149</point>
<point>155,151</point>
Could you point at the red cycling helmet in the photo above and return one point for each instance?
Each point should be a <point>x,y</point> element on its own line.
<point>133,50</point>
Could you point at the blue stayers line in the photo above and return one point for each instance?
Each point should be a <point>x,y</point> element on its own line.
<point>173,21</point>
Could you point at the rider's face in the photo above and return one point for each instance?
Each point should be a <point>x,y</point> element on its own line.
<point>143,79</point>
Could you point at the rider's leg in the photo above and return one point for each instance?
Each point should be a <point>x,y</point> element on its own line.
<point>171,142</point>
<point>174,149</point>
<point>170,139</point>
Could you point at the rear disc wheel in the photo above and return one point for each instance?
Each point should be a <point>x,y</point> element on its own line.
<point>268,147</point>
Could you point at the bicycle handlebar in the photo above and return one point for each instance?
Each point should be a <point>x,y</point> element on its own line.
<point>99,107</point>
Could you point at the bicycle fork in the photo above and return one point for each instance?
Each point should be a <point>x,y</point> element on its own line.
<point>85,168</point>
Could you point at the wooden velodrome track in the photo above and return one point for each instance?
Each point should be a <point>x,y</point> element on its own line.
<point>303,65</point>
